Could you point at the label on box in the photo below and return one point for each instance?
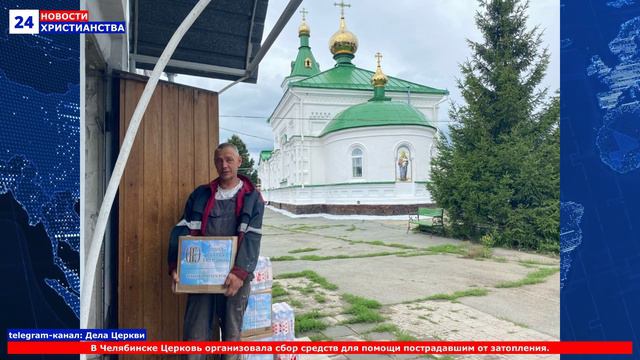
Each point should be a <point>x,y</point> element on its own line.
<point>204,262</point>
<point>258,313</point>
<point>258,356</point>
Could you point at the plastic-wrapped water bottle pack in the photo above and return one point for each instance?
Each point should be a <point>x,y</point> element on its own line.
<point>262,275</point>
<point>283,322</point>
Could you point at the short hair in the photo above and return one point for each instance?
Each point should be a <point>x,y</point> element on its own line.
<point>227,145</point>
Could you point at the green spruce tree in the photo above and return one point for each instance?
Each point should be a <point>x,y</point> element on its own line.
<point>247,168</point>
<point>499,171</point>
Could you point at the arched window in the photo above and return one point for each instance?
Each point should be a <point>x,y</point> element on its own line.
<point>356,162</point>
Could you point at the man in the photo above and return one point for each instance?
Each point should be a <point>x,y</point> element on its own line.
<point>229,205</point>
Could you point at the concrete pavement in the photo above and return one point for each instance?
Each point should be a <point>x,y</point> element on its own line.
<point>351,255</point>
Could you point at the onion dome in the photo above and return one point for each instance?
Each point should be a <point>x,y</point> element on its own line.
<point>304,29</point>
<point>379,79</point>
<point>343,41</point>
<point>378,111</point>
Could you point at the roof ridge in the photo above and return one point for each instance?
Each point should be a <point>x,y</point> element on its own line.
<point>400,79</point>
<point>312,76</point>
<point>309,81</point>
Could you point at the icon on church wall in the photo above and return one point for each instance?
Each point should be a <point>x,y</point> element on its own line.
<point>403,159</point>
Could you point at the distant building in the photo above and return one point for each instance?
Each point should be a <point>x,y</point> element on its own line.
<point>349,140</point>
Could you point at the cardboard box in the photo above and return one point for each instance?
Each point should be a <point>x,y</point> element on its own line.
<point>260,337</point>
<point>257,356</point>
<point>257,316</point>
<point>204,262</point>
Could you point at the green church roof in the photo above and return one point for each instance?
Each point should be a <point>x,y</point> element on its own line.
<point>265,155</point>
<point>377,112</point>
<point>348,76</point>
<point>304,64</point>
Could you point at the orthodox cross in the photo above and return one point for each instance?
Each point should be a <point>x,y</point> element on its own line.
<point>342,6</point>
<point>378,57</point>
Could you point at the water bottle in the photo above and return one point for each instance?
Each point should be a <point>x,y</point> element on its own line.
<point>291,319</point>
<point>268,273</point>
<point>275,320</point>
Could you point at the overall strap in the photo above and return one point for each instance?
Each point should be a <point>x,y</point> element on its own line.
<point>207,209</point>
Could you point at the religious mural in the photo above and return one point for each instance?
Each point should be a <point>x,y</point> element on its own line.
<point>403,157</point>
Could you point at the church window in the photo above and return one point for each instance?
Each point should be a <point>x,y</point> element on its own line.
<point>307,63</point>
<point>356,163</point>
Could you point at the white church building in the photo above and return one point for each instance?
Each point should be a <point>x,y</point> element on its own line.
<point>349,140</point>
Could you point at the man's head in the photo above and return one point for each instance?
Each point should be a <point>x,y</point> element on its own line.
<point>227,160</point>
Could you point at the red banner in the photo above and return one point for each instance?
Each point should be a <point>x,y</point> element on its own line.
<point>322,347</point>
<point>64,15</point>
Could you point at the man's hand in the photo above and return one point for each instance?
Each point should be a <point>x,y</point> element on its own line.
<point>175,280</point>
<point>233,283</point>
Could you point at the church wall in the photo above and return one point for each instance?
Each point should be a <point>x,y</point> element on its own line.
<point>328,177</point>
<point>376,193</point>
<point>273,173</point>
<point>283,123</point>
<point>264,175</point>
<point>307,111</point>
<point>379,146</point>
<point>361,209</point>
<point>321,105</point>
<point>427,104</point>
<point>280,165</point>
<point>276,170</point>
<point>318,170</point>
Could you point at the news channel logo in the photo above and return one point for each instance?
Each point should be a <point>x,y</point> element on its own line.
<point>24,21</point>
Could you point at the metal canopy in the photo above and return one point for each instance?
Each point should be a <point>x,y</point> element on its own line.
<point>221,44</point>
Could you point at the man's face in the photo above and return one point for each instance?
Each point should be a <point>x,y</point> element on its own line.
<point>227,162</point>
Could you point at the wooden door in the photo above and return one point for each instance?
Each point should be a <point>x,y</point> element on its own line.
<point>171,155</point>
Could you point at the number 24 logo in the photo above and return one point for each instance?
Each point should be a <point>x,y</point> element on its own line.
<point>22,23</point>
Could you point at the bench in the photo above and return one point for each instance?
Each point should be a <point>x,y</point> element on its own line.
<point>427,218</point>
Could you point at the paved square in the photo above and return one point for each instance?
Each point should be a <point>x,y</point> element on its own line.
<point>429,287</point>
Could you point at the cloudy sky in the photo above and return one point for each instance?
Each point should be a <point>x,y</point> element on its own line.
<point>422,41</point>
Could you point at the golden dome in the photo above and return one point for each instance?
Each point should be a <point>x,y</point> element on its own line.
<point>343,41</point>
<point>379,78</point>
<point>304,29</point>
